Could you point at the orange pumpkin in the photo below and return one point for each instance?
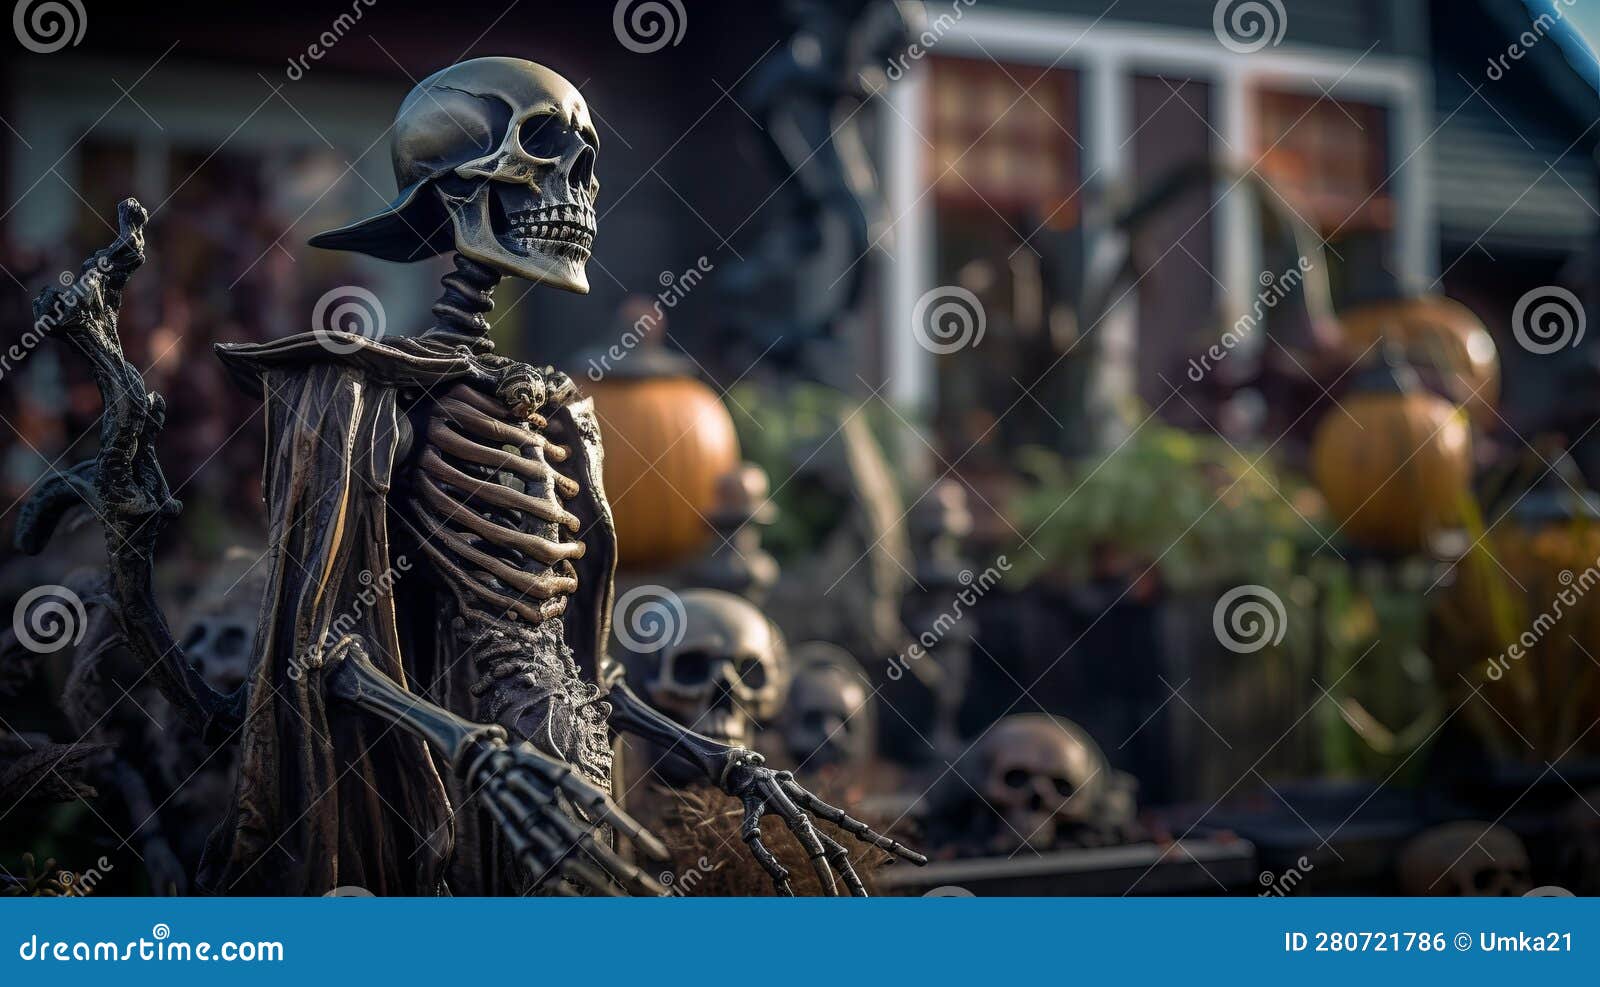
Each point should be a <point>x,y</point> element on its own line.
<point>667,441</point>
<point>1440,337</point>
<point>1393,461</point>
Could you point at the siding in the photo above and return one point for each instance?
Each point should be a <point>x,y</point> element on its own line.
<point>1511,161</point>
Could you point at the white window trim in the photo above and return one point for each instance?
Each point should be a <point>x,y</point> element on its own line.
<point>1109,54</point>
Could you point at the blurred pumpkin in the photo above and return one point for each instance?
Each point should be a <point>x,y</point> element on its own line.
<point>1392,460</point>
<point>668,439</point>
<point>1448,345</point>
<point>1522,619</point>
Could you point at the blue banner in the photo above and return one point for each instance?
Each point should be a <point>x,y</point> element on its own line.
<point>894,940</point>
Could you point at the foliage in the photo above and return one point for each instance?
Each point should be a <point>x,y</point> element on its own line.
<point>1203,513</point>
<point>784,430</point>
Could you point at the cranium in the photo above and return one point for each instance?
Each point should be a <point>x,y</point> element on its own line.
<point>1465,860</point>
<point>828,718</point>
<point>495,158</point>
<point>222,619</point>
<point>727,674</point>
<point>1042,774</point>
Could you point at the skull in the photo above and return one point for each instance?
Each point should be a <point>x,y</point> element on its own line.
<point>1466,860</point>
<point>727,674</point>
<point>222,620</point>
<point>828,719</point>
<point>1042,774</point>
<point>501,152</point>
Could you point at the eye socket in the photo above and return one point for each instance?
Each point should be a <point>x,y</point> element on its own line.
<point>1063,787</point>
<point>231,643</point>
<point>692,667</point>
<point>543,136</point>
<point>812,719</point>
<point>752,673</point>
<point>1015,778</point>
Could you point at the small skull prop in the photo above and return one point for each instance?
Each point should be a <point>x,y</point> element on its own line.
<point>1465,860</point>
<point>495,158</point>
<point>1043,775</point>
<point>222,620</point>
<point>728,674</point>
<point>829,718</point>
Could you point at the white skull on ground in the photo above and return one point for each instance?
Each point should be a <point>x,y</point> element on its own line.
<point>1040,773</point>
<point>729,672</point>
<point>1465,860</point>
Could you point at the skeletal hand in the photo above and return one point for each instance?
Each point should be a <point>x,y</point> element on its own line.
<point>524,790</point>
<point>767,792</point>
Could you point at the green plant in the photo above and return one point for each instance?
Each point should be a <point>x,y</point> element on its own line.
<point>1194,509</point>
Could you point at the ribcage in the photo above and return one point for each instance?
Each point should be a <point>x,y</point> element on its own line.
<point>490,503</point>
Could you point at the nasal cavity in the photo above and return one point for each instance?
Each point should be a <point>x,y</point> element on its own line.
<point>582,173</point>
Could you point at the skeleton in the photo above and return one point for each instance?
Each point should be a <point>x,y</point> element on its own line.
<point>487,666</point>
<point>828,720</point>
<point>1467,860</point>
